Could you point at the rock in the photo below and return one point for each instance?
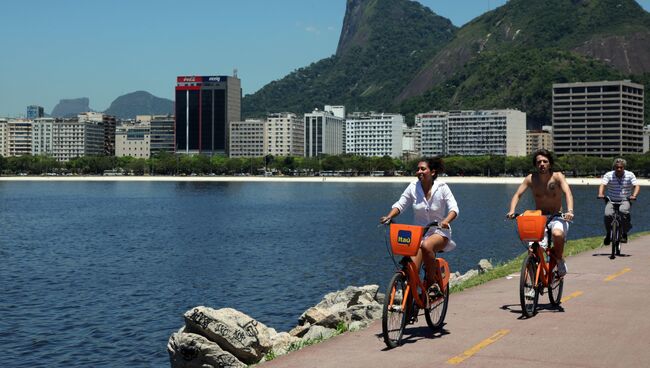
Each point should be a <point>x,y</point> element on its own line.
<point>343,306</point>
<point>484,265</point>
<point>313,315</point>
<point>319,332</point>
<point>234,331</point>
<point>300,330</point>
<point>188,350</point>
<point>282,342</point>
<point>358,325</point>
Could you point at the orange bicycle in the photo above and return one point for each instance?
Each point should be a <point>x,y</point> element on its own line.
<point>407,292</point>
<point>539,270</point>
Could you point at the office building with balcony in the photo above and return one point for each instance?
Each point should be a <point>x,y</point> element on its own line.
<point>325,131</point>
<point>374,134</point>
<point>43,136</point>
<point>433,126</point>
<point>17,137</point>
<point>486,132</point>
<point>598,118</point>
<point>205,106</point>
<point>73,138</point>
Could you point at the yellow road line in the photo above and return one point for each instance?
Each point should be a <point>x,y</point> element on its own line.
<point>476,348</point>
<point>612,277</point>
<point>572,295</point>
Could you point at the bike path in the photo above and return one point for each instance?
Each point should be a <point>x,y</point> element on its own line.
<point>603,322</point>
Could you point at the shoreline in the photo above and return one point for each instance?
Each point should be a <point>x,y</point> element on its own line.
<point>302,179</point>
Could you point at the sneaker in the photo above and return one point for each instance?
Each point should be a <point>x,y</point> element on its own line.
<point>607,240</point>
<point>561,268</point>
<point>624,238</point>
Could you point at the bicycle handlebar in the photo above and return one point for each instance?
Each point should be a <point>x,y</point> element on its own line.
<point>607,199</point>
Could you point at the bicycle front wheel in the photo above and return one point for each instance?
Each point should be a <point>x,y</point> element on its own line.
<point>394,315</point>
<point>555,287</point>
<point>435,314</point>
<point>528,293</point>
<point>615,239</point>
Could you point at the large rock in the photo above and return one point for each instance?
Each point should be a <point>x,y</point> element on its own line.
<point>188,350</point>
<point>282,342</point>
<point>234,331</point>
<point>353,303</point>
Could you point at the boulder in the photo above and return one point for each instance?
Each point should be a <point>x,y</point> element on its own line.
<point>351,304</point>
<point>484,265</point>
<point>319,332</point>
<point>282,342</point>
<point>234,331</point>
<point>188,350</point>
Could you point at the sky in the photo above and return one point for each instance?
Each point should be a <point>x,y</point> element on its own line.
<point>102,49</point>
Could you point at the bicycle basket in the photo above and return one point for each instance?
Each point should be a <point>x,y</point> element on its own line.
<point>531,226</point>
<point>405,239</point>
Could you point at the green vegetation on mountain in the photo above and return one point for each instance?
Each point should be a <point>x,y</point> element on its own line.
<point>400,56</point>
<point>383,44</point>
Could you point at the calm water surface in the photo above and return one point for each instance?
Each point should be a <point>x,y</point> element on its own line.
<point>100,273</point>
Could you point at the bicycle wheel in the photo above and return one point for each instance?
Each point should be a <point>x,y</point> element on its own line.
<point>435,314</point>
<point>555,287</point>
<point>615,238</point>
<point>393,318</point>
<point>528,293</point>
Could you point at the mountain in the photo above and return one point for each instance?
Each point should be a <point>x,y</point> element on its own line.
<point>400,56</point>
<point>67,108</point>
<point>139,103</point>
<point>383,43</point>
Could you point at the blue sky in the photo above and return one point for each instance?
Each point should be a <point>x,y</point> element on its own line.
<point>102,49</point>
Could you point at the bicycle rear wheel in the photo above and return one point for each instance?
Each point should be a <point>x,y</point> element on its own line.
<point>528,292</point>
<point>394,316</point>
<point>435,314</point>
<point>555,287</point>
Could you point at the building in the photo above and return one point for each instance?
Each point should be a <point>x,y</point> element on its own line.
<point>411,141</point>
<point>247,138</point>
<point>646,138</point>
<point>285,135</point>
<point>539,139</point>
<point>108,123</point>
<point>3,138</point>
<point>486,132</point>
<point>43,136</point>
<point>35,112</point>
<point>325,132</point>
<point>73,138</point>
<point>205,106</point>
<point>162,133</point>
<point>374,134</point>
<point>133,140</point>
<point>17,137</point>
<point>598,118</point>
<point>433,125</point>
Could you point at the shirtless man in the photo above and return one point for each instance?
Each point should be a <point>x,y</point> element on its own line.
<point>547,187</point>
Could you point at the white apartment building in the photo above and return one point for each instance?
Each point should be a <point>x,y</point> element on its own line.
<point>486,132</point>
<point>133,140</point>
<point>73,138</point>
<point>598,118</point>
<point>3,139</point>
<point>539,139</point>
<point>43,136</point>
<point>247,138</point>
<point>285,135</point>
<point>325,132</point>
<point>411,141</point>
<point>374,134</point>
<point>646,138</point>
<point>108,122</point>
<point>17,137</point>
<point>433,125</point>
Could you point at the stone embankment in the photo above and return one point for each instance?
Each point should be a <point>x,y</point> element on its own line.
<point>229,338</point>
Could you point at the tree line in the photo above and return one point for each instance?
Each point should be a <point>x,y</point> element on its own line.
<point>178,164</point>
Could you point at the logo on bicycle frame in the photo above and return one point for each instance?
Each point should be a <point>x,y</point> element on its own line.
<point>404,237</point>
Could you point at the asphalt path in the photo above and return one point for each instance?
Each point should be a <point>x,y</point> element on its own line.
<point>603,321</point>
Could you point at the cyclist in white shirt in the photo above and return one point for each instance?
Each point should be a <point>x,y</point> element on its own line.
<point>621,187</point>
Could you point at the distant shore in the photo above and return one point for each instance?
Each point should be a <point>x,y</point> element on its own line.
<point>301,179</point>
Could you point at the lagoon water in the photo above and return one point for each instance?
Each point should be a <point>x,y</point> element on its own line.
<point>100,273</point>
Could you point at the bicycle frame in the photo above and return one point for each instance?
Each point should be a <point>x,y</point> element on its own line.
<point>418,287</point>
<point>543,274</point>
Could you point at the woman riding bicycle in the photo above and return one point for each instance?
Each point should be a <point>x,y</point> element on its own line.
<point>431,200</point>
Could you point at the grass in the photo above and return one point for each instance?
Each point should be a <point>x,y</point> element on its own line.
<point>514,266</point>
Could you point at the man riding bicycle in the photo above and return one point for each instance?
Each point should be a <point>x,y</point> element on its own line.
<point>621,187</point>
<point>547,187</point>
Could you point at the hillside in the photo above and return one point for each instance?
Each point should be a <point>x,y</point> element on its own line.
<point>382,44</point>
<point>67,108</point>
<point>139,103</point>
<point>400,56</point>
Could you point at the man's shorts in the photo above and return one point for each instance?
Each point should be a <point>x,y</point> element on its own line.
<point>558,223</point>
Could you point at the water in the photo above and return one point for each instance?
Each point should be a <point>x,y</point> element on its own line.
<point>100,273</point>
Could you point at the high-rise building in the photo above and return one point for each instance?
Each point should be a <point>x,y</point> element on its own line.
<point>285,134</point>
<point>539,139</point>
<point>247,138</point>
<point>486,132</point>
<point>433,125</point>
<point>374,134</point>
<point>205,105</point>
<point>325,132</point>
<point>598,118</point>
<point>35,112</point>
<point>108,123</point>
<point>133,140</point>
<point>162,134</point>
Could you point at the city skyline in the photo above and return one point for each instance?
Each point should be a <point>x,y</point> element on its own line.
<point>104,49</point>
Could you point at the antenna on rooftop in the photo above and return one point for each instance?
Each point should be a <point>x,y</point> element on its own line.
<point>234,72</point>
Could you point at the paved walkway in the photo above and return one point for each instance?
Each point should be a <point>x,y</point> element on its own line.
<point>604,322</point>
